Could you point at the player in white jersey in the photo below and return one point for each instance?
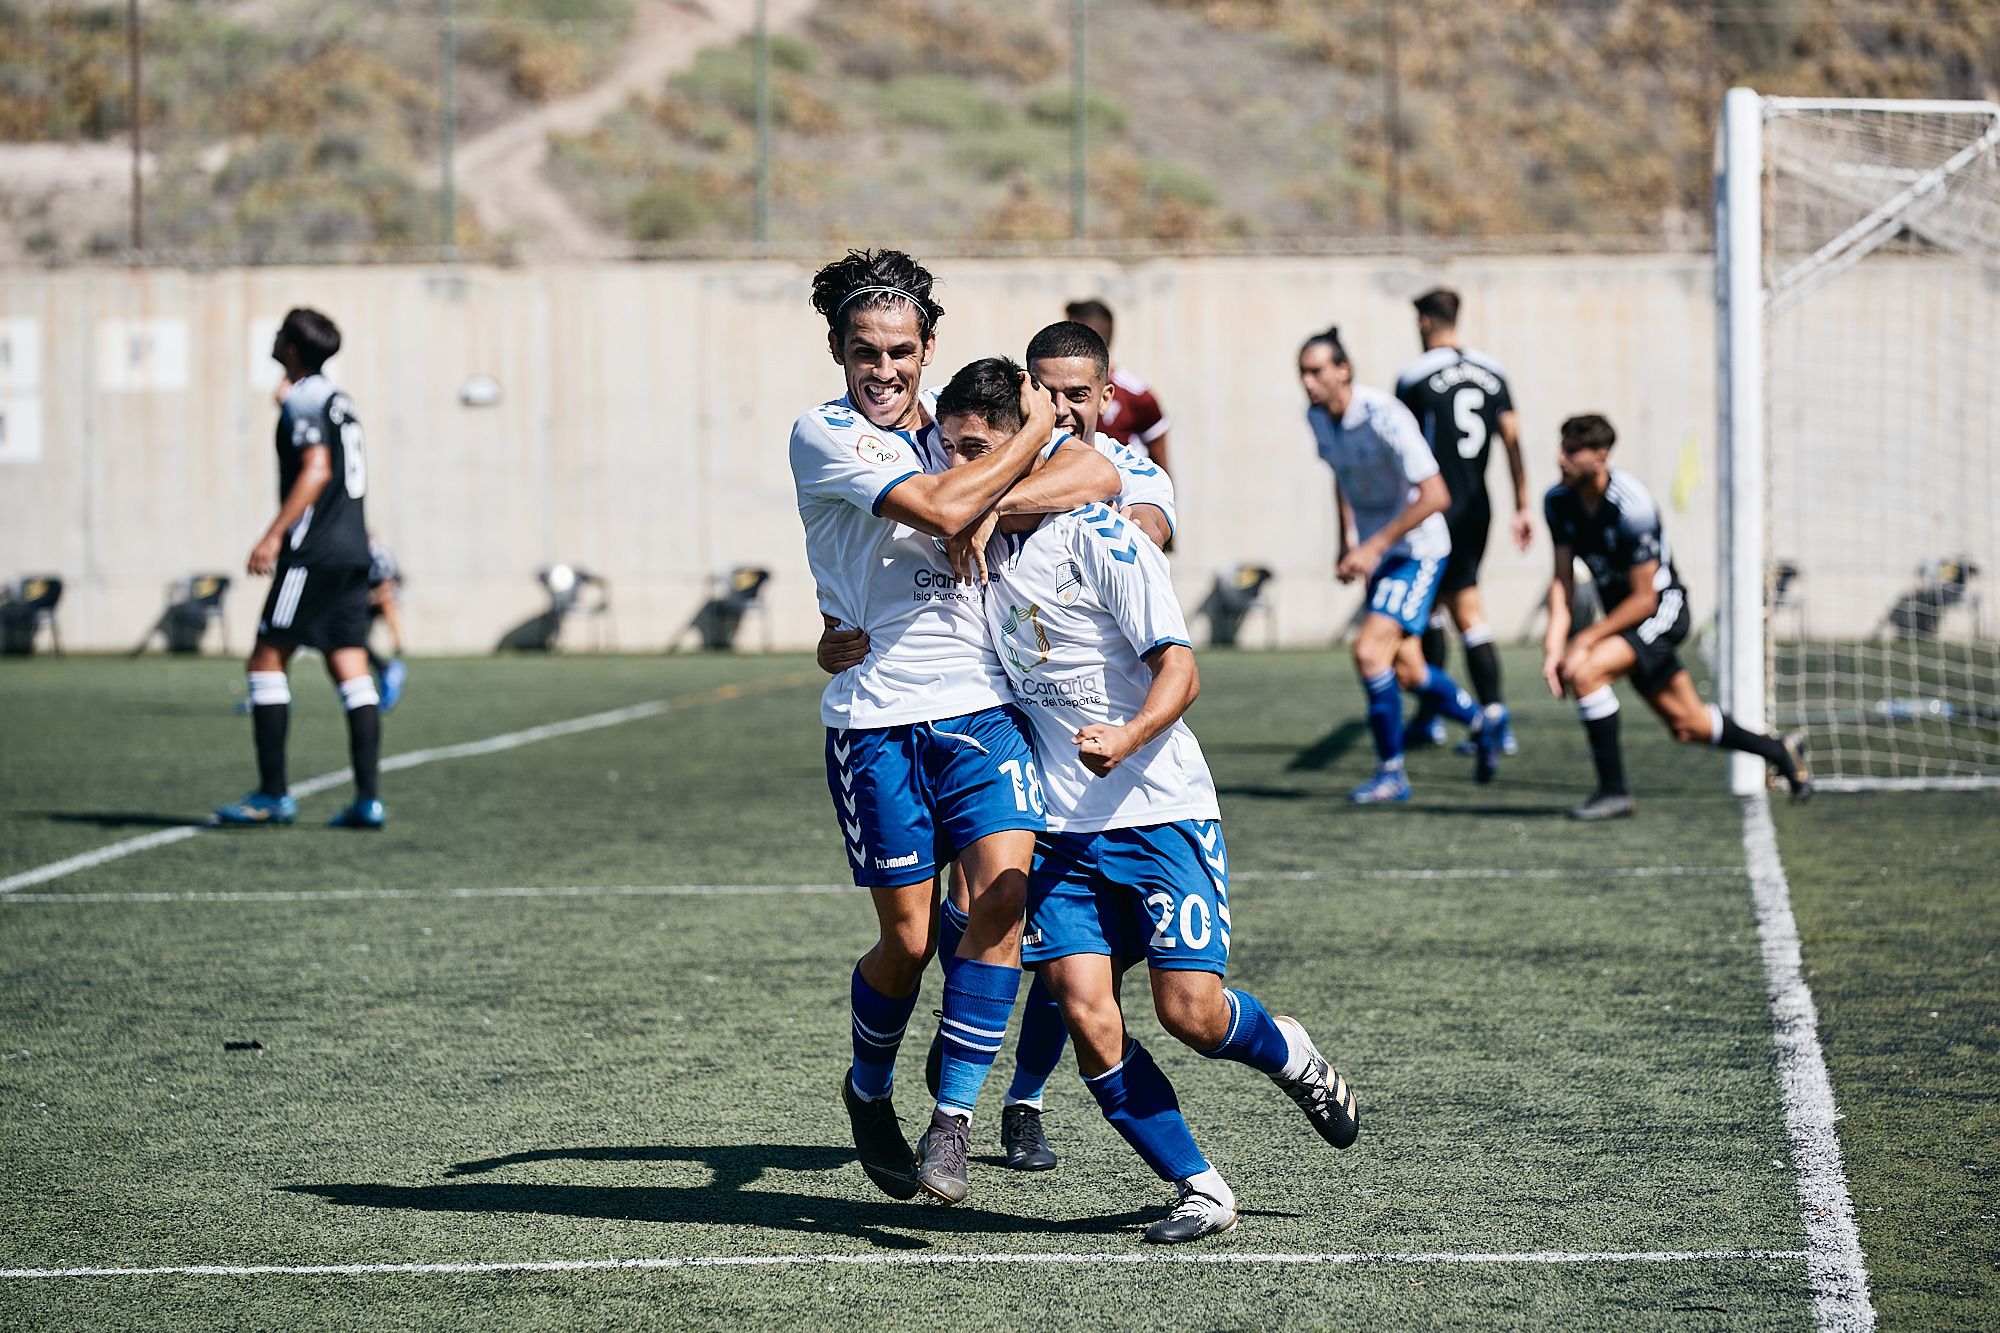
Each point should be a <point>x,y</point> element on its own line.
<point>1069,360</point>
<point>1390,501</point>
<point>1133,864</point>
<point>928,761</point>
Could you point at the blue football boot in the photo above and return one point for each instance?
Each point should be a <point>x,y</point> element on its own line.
<point>257,808</point>
<point>393,675</point>
<point>361,814</point>
<point>1424,730</point>
<point>1388,785</point>
<point>1489,736</point>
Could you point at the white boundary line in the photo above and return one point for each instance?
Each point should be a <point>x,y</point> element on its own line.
<point>395,763</point>
<point>1835,1267</point>
<point>766,890</point>
<point>1544,1257</point>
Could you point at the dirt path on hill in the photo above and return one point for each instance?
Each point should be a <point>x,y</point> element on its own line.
<point>500,172</point>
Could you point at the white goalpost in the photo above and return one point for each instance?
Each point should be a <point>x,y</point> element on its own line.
<point>1858,411</point>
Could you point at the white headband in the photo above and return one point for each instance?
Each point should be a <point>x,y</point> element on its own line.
<point>889,291</point>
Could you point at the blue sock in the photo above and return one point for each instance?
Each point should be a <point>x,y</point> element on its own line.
<point>952,922</point>
<point>1254,1039</point>
<point>1385,715</point>
<point>1040,1047</point>
<point>879,1021</point>
<point>1447,696</point>
<point>977,999</point>
<point>1140,1104</point>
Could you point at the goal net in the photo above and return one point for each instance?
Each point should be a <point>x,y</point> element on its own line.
<point>1858,285</point>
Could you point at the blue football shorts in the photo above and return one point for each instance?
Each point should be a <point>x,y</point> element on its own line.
<point>909,797</point>
<point>1404,588</point>
<point>1158,892</point>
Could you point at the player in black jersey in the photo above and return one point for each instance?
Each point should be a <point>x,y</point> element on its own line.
<point>1605,517</point>
<point>317,551</point>
<point>1462,401</point>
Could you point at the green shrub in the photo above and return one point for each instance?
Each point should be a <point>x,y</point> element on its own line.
<point>934,102</point>
<point>1105,113</point>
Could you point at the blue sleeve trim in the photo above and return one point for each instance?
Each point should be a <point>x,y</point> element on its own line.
<point>1167,643</point>
<point>883,494</point>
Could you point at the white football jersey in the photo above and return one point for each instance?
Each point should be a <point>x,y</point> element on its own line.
<point>1379,453</point>
<point>1075,606</point>
<point>929,656</point>
<point>1141,480</point>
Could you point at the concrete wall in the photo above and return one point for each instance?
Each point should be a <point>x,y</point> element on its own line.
<point>645,410</point>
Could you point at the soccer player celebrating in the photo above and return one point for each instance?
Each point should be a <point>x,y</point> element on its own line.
<point>1461,400</point>
<point>317,547</point>
<point>1132,414</point>
<point>928,761</point>
<point>1070,361</point>
<point>1133,864</point>
<point>1389,499</point>
<point>1608,518</point>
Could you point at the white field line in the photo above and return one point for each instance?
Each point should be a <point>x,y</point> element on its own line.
<point>1835,1268</point>
<point>395,763</point>
<point>904,1260</point>
<point>770,890</point>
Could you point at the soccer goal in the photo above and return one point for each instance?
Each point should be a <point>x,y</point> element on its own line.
<point>1858,392</point>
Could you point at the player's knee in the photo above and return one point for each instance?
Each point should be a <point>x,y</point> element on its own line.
<point>1371,659</point>
<point>1191,1019</point>
<point>1005,899</point>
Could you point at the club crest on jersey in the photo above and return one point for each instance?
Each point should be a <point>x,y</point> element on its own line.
<point>1016,620</point>
<point>871,449</point>
<point>1069,582</point>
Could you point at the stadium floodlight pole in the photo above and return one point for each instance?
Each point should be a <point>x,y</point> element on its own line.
<point>1739,335</point>
<point>1079,121</point>
<point>448,132</point>
<point>138,116</point>
<point>763,232</point>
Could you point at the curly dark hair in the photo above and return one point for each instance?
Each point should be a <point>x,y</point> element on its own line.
<point>834,284</point>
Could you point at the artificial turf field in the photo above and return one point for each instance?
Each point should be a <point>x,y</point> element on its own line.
<point>585,1000</point>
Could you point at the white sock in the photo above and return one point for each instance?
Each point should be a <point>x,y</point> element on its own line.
<point>1211,1183</point>
<point>1035,1102</point>
<point>1295,1050</point>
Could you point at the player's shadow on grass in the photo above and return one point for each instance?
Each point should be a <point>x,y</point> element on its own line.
<point>122,819</point>
<point>721,1201</point>
<point>1328,749</point>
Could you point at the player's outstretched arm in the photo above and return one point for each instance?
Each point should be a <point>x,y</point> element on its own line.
<point>942,503</point>
<point>1555,640</point>
<point>1176,685</point>
<point>315,471</point>
<point>1510,438</point>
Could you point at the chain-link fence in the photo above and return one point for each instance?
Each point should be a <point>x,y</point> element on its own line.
<point>226,131</point>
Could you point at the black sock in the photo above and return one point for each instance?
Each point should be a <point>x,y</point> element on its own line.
<point>1769,748</point>
<point>1604,752</point>
<point>267,724</point>
<point>1482,664</point>
<point>1436,646</point>
<point>364,747</point>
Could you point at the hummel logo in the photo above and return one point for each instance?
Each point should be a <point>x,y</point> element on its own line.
<point>853,831</point>
<point>849,802</point>
<point>842,748</point>
<point>895,862</point>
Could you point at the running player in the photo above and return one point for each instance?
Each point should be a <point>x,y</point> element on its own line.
<point>1134,864</point>
<point>1133,415</point>
<point>1605,516</point>
<point>317,548</point>
<point>928,761</point>
<point>1070,361</point>
<point>1461,400</point>
<point>1390,501</point>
